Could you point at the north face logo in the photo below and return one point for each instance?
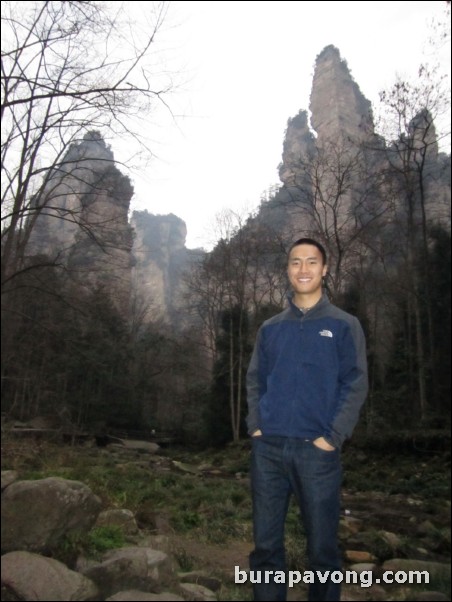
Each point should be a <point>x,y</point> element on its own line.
<point>326,333</point>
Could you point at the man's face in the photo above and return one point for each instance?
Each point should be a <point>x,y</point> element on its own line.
<point>306,269</point>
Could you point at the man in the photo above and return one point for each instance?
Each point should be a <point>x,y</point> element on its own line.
<point>307,381</point>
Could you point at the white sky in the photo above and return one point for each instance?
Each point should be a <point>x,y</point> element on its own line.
<point>248,68</point>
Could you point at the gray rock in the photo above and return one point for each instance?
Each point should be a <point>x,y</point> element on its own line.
<point>201,578</point>
<point>436,570</point>
<point>34,577</point>
<point>118,517</point>
<point>193,591</point>
<point>8,477</point>
<point>36,515</point>
<point>132,568</point>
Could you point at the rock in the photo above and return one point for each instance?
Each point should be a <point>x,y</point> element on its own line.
<point>183,467</point>
<point>132,568</point>
<point>161,259</point>
<point>332,79</point>
<point>118,517</point>
<point>157,542</point>
<point>58,508</point>
<point>34,577</point>
<point>142,446</point>
<point>413,502</point>
<point>363,566</point>
<point>358,556</point>
<point>201,578</point>
<point>436,570</point>
<point>349,525</point>
<point>427,528</point>
<point>197,592</point>
<point>8,477</point>
<point>393,540</point>
<point>88,185</point>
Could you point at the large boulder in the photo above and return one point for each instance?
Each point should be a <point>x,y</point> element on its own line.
<point>36,515</point>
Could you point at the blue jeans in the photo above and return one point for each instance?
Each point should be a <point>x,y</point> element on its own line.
<point>282,466</point>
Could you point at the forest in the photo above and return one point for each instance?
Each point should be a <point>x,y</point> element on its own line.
<point>381,207</point>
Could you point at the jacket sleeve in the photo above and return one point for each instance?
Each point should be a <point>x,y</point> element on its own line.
<point>353,384</point>
<point>255,384</point>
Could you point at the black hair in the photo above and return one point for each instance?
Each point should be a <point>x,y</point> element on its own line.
<point>309,241</point>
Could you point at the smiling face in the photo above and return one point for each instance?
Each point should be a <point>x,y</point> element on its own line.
<point>306,270</point>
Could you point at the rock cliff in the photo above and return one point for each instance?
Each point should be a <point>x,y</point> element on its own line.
<point>90,197</point>
<point>83,224</point>
<point>339,114</point>
<point>339,142</point>
<point>161,262</point>
<point>83,219</point>
<point>332,142</point>
<point>339,109</point>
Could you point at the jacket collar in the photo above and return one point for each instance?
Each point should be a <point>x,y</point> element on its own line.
<point>320,303</point>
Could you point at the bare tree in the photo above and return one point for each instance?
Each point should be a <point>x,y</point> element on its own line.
<point>416,174</point>
<point>67,68</point>
<point>415,118</point>
<point>335,197</point>
<point>231,284</point>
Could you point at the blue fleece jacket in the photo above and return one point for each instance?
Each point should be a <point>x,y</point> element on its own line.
<point>308,374</point>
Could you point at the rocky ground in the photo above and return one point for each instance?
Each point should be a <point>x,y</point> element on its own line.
<point>395,513</point>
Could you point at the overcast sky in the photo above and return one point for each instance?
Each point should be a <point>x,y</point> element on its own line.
<point>246,68</point>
